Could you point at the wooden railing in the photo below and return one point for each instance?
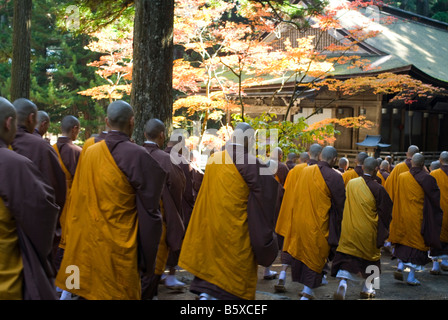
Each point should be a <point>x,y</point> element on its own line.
<point>397,157</point>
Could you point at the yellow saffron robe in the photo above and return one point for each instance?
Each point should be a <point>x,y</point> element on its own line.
<point>442,182</point>
<point>359,222</point>
<point>407,213</point>
<point>288,201</point>
<point>214,248</point>
<point>307,236</point>
<point>102,241</point>
<point>11,266</point>
<point>392,180</point>
<point>348,175</point>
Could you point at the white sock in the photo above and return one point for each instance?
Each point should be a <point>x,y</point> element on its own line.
<point>445,262</point>
<point>368,287</point>
<point>205,296</point>
<point>435,265</point>
<point>171,280</point>
<point>307,290</point>
<point>66,295</point>
<point>411,275</point>
<point>400,266</point>
<point>282,275</point>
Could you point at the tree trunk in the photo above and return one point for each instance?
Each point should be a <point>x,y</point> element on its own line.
<point>21,50</point>
<point>152,73</point>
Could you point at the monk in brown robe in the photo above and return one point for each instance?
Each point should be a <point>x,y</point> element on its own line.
<point>43,123</point>
<point>357,170</point>
<point>231,229</point>
<point>171,209</point>
<point>41,153</point>
<point>287,206</point>
<point>384,171</point>
<point>441,175</point>
<point>193,177</point>
<point>313,233</point>
<point>282,169</point>
<point>416,219</point>
<point>114,217</point>
<point>68,154</point>
<point>365,227</point>
<point>28,215</point>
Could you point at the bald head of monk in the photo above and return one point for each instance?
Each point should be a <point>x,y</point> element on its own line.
<point>385,165</point>
<point>370,166</point>
<point>70,127</point>
<point>343,163</point>
<point>43,122</point>
<point>418,160</point>
<point>26,113</point>
<point>120,117</point>
<point>413,149</point>
<point>244,134</point>
<point>361,157</point>
<point>304,157</point>
<point>443,158</point>
<point>329,154</point>
<point>315,151</point>
<point>8,121</point>
<point>277,154</point>
<point>155,131</point>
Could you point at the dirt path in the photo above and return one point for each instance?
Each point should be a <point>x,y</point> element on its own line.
<point>432,287</point>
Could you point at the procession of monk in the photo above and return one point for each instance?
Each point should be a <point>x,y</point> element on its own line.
<point>114,220</point>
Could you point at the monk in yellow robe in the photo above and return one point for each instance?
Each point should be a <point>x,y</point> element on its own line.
<point>288,204</point>
<point>441,176</point>
<point>365,227</point>
<point>231,230</point>
<point>416,219</point>
<point>114,217</point>
<point>314,231</point>
<point>391,183</point>
<point>28,216</point>
<point>357,170</point>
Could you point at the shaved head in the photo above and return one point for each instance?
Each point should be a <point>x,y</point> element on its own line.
<point>26,113</point>
<point>343,162</point>
<point>315,151</point>
<point>434,165</point>
<point>304,157</point>
<point>370,165</point>
<point>418,160</point>
<point>443,157</point>
<point>119,116</point>
<point>384,165</point>
<point>361,157</point>
<point>68,123</point>
<point>8,117</point>
<point>42,116</point>
<point>329,155</point>
<point>153,128</point>
<point>244,134</point>
<point>277,153</point>
<point>412,150</point>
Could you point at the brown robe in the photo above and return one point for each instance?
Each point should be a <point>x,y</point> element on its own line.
<point>299,271</point>
<point>193,180</point>
<point>31,201</point>
<point>42,154</point>
<point>69,153</point>
<point>261,208</point>
<point>384,205</point>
